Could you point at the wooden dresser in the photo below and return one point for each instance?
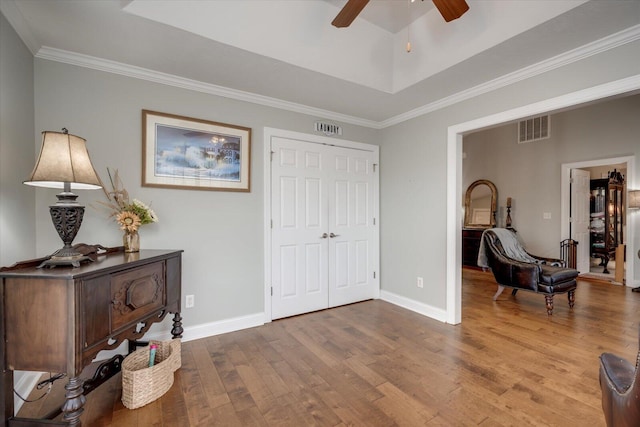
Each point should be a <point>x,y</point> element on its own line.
<point>470,246</point>
<point>57,320</point>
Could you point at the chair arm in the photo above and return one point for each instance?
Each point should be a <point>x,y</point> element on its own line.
<point>551,261</point>
<point>526,275</point>
<point>514,273</point>
<point>619,373</point>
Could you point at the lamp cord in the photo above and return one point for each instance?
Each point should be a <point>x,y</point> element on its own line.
<point>47,382</point>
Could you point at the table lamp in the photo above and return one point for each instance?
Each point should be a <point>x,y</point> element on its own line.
<point>64,163</point>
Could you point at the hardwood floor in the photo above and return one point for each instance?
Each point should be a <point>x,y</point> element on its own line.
<point>376,364</point>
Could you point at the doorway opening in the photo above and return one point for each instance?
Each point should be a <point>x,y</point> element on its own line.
<point>455,136</point>
<point>590,264</point>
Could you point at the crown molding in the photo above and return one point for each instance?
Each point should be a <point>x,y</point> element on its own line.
<point>612,41</point>
<point>629,35</point>
<point>94,63</point>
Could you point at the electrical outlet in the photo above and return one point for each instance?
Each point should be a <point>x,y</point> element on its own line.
<point>420,282</point>
<point>189,301</point>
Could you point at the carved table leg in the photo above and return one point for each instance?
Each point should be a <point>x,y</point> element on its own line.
<point>177,329</point>
<point>74,405</point>
<point>549,300</point>
<point>572,298</point>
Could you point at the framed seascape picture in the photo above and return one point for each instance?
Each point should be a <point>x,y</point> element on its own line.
<point>181,152</point>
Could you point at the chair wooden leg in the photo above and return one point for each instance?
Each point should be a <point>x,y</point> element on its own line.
<point>498,292</point>
<point>549,301</point>
<point>514,292</point>
<point>572,298</point>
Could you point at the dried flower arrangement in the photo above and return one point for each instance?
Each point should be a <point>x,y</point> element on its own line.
<point>130,215</point>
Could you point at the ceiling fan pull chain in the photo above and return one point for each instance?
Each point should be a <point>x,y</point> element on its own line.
<point>409,25</point>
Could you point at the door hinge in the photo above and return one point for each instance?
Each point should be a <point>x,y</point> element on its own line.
<point>375,165</point>
<point>272,153</point>
<point>271,223</point>
<point>272,291</point>
<point>374,221</point>
<point>374,274</point>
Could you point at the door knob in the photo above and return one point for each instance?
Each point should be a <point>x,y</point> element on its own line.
<point>333,235</point>
<point>324,236</point>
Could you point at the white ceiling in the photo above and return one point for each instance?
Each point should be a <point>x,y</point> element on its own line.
<point>286,53</point>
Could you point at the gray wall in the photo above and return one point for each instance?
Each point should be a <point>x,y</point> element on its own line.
<point>220,232</point>
<point>17,154</point>
<point>530,173</point>
<point>414,170</point>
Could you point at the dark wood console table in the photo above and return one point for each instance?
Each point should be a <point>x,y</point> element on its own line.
<point>470,246</point>
<point>57,320</point>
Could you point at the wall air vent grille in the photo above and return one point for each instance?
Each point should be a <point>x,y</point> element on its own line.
<point>328,129</point>
<point>534,129</point>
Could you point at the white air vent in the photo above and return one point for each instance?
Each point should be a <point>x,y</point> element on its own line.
<point>328,129</point>
<point>533,129</point>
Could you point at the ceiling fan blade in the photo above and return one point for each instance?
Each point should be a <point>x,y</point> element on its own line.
<point>451,9</point>
<point>349,12</point>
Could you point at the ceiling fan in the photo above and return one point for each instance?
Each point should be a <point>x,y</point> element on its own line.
<point>449,9</point>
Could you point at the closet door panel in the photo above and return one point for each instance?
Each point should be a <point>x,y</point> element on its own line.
<point>351,222</point>
<point>299,250</point>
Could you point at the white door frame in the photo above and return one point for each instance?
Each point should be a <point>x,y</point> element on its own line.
<point>270,133</point>
<point>454,172</point>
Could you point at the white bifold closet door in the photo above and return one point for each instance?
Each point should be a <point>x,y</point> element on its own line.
<point>323,227</point>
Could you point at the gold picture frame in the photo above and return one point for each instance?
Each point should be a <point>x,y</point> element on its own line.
<point>194,154</point>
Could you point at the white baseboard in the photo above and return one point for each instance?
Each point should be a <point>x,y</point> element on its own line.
<point>194,332</point>
<point>27,382</point>
<point>220,327</point>
<point>418,307</point>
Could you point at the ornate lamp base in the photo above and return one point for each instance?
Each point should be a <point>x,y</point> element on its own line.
<point>74,262</point>
<point>67,217</point>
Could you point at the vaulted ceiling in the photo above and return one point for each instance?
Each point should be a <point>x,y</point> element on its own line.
<point>286,53</point>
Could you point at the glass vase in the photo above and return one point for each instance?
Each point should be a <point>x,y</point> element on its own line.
<point>131,241</point>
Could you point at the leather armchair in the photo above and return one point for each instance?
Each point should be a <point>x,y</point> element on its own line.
<point>620,385</point>
<point>548,276</point>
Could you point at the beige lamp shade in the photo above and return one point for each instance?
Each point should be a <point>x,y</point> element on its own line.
<point>634,199</point>
<point>64,159</point>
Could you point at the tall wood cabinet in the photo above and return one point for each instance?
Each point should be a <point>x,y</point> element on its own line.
<point>607,218</point>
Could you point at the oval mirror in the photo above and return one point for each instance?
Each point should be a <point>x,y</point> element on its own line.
<point>480,204</point>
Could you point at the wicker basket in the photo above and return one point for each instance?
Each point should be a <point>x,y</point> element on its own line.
<point>142,384</point>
